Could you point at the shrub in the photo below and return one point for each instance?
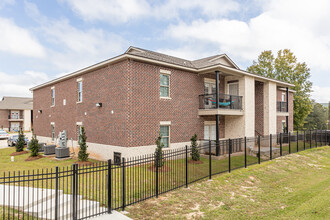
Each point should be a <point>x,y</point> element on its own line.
<point>20,141</point>
<point>195,155</point>
<point>159,152</point>
<point>82,155</point>
<point>34,146</point>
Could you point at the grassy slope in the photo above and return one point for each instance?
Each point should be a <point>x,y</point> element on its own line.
<point>292,187</point>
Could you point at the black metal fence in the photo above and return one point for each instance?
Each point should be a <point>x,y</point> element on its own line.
<point>282,107</point>
<point>83,191</point>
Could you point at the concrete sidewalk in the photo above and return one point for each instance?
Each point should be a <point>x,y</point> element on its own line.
<point>113,216</point>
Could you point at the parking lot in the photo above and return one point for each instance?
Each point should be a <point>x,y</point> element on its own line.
<point>3,142</point>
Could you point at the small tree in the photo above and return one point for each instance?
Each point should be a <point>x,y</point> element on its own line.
<point>34,146</point>
<point>20,141</point>
<point>82,155</point>
<point>195,155</point>
<point>159,152</point>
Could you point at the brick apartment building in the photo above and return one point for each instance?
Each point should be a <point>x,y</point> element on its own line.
<point>16,113</point>
<point>124,103</point>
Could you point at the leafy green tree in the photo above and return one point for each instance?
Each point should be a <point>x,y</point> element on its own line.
<point>82,154</point>
<point>317,119</point>
<point>285,67</point>
<point>20,141</point>
<point>34,146</point>
<point>159,154</point>
<point>195,155</point>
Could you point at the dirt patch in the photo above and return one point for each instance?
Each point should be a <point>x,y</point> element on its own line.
<point>34,158</point>
<point>84,163</point>
<point>160,169</point>
<point>19,153</point>
<point>195,161</point>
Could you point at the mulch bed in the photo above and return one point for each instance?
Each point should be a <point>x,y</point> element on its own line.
<point>19,153</point>
<point>160,169</point>
<point>33,158</point>
<point>195,162</point>
<point>84,163</point>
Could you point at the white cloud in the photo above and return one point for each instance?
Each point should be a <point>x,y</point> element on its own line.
<point>19,84</point>
<point>295,24</point>
<point>321,94</point>
<point>79,48</point>
<point>19,41</point>
<point>3,3</point>
<point>121,11</point>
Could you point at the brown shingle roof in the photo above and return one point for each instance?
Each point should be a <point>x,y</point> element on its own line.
<point>16,103</point>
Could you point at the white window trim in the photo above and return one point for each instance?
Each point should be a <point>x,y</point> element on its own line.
<point>167,72</point>
<point>169,135</point>
<point>52,123</point>
<point>284,97</point>
<point>210,123</point>
<point>228,84</point>
<point>209,80</point>
<point>79,123</point>
<point>53,89</point>
<point>79,79</point>
<point>81,92</point>
<point>165,123</point>
<point>169,86</point>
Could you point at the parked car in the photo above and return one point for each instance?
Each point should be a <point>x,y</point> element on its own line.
<point>12,141</point>
<point>3,134</point>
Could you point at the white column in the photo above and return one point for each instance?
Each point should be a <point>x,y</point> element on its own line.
<point>27,120</point>
<point>270,122</point>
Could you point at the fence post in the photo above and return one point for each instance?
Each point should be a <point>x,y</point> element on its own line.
<point>124,185</point>
<point>245,152</point>
<point>56,192</point>
<point>297,140</point>
<point>328,138</point>
<point>109,186</point>
<point>259,149</point>
<point>281,144</point>
<point>316,138</point>
<point>229,165</point>
<point>186,166</point>
<point>157,179</point>
<point>74,179</point>
<point>210,160</point>
<point>304,139</point>
<point>310,139</point>
<point>289,142</point>
<point>271,146</point>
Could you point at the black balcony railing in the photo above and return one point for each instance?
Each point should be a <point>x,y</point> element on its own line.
<point>208,101</point>
<point>282,107</point>
<point>15,117</point>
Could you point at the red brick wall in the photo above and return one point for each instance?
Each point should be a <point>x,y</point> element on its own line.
<point>259,107</point>
<point>4,123</point>
<point>107,85</point>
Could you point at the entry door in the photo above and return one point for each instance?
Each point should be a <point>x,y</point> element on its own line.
<point>14,126</point>
<point>209,88</point>
<point>209,132</point>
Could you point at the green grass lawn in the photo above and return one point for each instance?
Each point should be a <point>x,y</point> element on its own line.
<point>293,187</point>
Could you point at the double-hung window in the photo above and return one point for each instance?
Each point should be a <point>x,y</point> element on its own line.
<point>79,83</point>
<point>165,134</point>
<point>52,92</point>
<point>53,132</point>
<point>164,85</point>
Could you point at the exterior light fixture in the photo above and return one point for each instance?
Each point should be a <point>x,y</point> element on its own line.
<point>40,111</point>
<point>99,104</point>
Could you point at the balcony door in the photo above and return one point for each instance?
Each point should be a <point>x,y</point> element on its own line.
<point>209,132</point>
<point>14,115</point>
<point>209,88</point>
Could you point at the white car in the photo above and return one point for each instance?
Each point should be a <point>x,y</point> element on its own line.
<point>3,134</point>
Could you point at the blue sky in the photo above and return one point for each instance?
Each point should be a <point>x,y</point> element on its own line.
<point>41,40</point>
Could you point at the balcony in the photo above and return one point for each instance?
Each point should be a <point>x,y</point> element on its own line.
<point>282,109</point>
<point>228,104</point>
<point>15,118</point>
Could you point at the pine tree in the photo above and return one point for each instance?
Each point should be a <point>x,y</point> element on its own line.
<point>34,146</point>
<point>82,155</point>
<point>20,141</point>
<point>159,152</point>
<point>195,155</point>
